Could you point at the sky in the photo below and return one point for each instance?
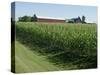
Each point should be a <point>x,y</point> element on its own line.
<point>55,11</point>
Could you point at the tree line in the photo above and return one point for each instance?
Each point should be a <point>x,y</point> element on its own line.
<point>28,18</point>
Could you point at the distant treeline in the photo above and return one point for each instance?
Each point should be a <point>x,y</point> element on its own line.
<point>28,18</point>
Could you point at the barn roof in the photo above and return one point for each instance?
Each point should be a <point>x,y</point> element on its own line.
<point>42,17</point>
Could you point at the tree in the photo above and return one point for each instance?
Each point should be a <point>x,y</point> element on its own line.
<point>25,19</point>
<point>28,18</point>
<point>83,19</point>
<point>34,18</point>
<point>20,19</point>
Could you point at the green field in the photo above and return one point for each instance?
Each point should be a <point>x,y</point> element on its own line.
<point>55,46</point>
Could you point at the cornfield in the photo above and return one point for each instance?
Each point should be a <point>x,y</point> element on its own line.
<point>62,43</point>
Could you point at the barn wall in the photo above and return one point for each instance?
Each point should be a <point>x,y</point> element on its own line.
<point>50,20</point>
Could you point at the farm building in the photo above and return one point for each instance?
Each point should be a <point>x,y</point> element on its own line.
<point>50,20</point>
<point>60,20</point>
<point>76,20</point>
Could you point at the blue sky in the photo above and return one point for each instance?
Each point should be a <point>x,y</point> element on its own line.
<point>55,10</point>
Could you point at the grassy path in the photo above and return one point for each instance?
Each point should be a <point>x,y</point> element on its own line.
<point>29,61</point>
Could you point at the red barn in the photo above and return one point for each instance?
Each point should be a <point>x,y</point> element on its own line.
<point>50,20</point>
